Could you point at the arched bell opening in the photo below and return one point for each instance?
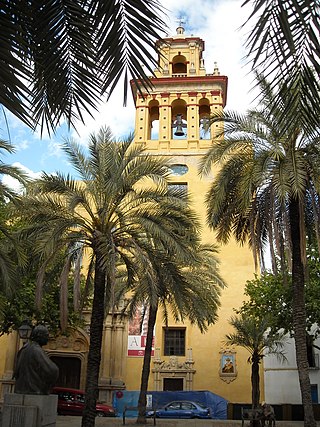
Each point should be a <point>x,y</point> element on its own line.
<point>179,64</point>
<point>179,119</point>
<point>204,114</point>
<point>153,125</point>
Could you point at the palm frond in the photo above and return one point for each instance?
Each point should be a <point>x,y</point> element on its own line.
<point>262,162</point>
<point>60,57</point>
<point>125,32</point>
<point>284,45</point>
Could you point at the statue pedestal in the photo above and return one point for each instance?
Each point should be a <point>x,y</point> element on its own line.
<point>29,410</point>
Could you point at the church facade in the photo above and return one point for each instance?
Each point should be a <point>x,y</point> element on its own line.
<point>171,122</point>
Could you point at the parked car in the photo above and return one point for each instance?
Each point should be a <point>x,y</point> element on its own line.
<point>182,409</point>
<point>71,402</point>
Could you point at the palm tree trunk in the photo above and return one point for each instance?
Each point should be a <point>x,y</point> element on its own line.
<point>255,381</point>
<point>299,313</point>
<point>255,386</point>
<point>94,356</point>
<point>142,403</point>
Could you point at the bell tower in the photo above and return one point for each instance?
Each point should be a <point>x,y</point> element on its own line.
<point>172,117</point>
<point>170,122</point>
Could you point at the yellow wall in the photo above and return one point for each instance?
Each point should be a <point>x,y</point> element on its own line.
<point>236,267</point>
<point>236,262</point>
<point>3,347</point>
<point>9,345</point>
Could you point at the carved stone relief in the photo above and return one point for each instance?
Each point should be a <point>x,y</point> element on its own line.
<point>173,367</point>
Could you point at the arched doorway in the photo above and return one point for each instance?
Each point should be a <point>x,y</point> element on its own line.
<point>69,371</point>
<point>70,355</point>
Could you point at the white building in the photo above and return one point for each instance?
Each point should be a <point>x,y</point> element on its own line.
<point>281,381</point>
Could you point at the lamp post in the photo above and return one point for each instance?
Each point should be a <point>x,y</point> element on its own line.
<point>25,330</point>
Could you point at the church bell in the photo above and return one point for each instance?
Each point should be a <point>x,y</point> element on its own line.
<point>179,125</point>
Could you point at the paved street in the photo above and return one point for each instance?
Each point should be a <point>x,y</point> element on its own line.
<point>76,422</point>
<point>67,421</point>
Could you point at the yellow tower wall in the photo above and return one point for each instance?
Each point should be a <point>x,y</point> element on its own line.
<point>236,266</point>
<point>191,94</point>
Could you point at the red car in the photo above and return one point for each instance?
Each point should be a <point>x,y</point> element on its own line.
<point>71,402</point>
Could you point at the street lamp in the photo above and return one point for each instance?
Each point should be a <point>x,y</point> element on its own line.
<point>25,330</point>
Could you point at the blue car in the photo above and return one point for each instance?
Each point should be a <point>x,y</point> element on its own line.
<point>181,409</point>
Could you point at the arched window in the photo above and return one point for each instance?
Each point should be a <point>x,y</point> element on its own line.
<point>204,114</point>
<point>179,119</point>
<point>153,128</point>
<point>179,64</point>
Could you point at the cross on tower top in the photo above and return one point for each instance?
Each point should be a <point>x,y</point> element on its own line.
<point>180,29</point>
<point>180,21</point>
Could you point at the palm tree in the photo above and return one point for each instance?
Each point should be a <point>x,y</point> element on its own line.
<point>284,45</point>
<point>120,203</point>
<point>188,287</point>
<point>6,192</point>
<point>11,253</point>
<point>58,58</point>
<point>252,334</point>
<point>268,171</point>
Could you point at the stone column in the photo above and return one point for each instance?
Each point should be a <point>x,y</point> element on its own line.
<point>142,119</point>
<point>165,118</point>
<point>113,357</point>
<point>105,366</point>
<point>119,351</point>
<point>193,120</point>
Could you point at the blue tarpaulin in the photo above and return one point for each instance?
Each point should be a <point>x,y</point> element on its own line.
<point>217,404</point>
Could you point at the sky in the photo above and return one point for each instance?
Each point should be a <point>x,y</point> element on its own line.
<point>217,22</point>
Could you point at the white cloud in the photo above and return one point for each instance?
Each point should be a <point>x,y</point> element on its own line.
<point>22,144</point>
<point>13,183</point>
<point>111,113</point>
<point>53,150</point>
<point>218,23</point>
<point>27,170</point>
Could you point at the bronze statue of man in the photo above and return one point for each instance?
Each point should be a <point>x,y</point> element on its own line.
<point>35,373</point>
